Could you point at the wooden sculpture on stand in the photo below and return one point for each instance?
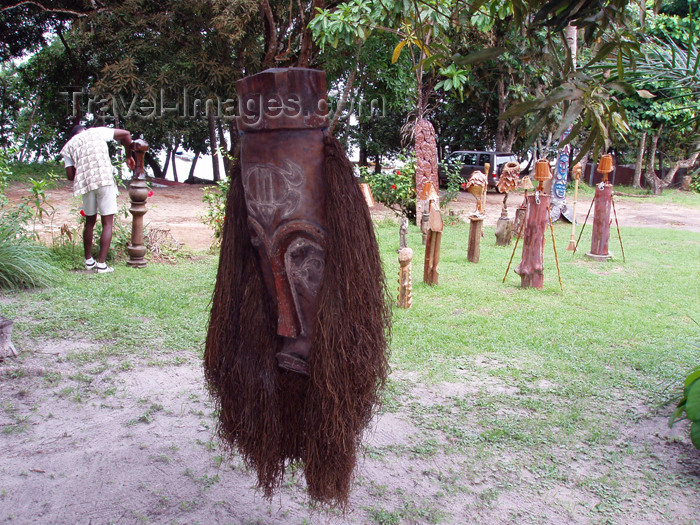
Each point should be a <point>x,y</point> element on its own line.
<point>507,182</point>
<point>524,184</point>
<point>603,202</point>
<point>405,299</point>
<point>477,184</point>
<point>434,235</point>
<point>531,267</point>
<point>577,177</point>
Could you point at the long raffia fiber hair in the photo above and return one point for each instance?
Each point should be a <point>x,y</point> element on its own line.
<point>274,417</point>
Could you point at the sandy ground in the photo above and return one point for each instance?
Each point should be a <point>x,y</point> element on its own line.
<point>179,208</point>
<point>94,442</point>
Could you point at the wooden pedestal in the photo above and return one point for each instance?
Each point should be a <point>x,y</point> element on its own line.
<point>601,224</point>
<point>138,194</point>
<point>530,268</point>
<point>476,226</point>
<point>504,231</point>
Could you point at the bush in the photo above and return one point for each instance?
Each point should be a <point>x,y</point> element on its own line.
<point>23,262</point>
<point>688,406</point>
<point>215,212</point>
<point>395,190</point>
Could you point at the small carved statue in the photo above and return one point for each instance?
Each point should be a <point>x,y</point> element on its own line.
<point>476,185</point>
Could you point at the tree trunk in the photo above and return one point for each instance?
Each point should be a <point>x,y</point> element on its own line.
<point>222,141</point>
<point>175,163</point>
<point>213,146</point>
<point>655,183</point>
<point>510,140</point>
<point>636,183</point>
<point>683,163</point>
<point>190,177</point>
<point>377,164</point>
<point>346,92</point>
<point>167,160</point>
<point>29,129</point>
<point>153,164</point>
<point>501,124</point>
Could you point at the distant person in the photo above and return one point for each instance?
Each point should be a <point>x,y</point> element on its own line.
<point>88,165</point>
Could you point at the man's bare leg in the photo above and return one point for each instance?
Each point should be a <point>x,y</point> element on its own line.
<point>106,238</point>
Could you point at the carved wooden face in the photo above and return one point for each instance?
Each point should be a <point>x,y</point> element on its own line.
<point>285,219</point>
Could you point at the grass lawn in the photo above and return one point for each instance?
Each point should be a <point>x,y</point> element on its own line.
<point>504,404</point>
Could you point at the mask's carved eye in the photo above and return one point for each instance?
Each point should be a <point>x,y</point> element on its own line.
<point>305,264</point>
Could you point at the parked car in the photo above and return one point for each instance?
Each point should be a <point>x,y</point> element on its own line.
<point>475,160</point>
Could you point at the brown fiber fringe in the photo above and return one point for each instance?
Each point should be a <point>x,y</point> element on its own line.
<point>274,417</point>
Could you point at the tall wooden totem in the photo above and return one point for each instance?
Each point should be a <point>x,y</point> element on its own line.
<point>531,267</point>
<point>296,349</point>
<point>601,213</point>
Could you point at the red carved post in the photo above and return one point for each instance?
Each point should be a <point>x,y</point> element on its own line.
<point>138,193</point>
<point>601,213</point>
<point>531,268</point>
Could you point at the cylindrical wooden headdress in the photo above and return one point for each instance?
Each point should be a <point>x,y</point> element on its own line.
<point>605,166</point>
<point>542,173</point>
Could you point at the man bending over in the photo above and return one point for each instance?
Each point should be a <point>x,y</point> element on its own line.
<point>87,162</point>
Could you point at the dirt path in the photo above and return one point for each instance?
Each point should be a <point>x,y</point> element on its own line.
<point>179,208</point>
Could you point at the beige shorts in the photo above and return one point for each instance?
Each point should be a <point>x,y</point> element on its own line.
<point>103,200</point>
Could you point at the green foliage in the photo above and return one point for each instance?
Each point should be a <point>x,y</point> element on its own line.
<point>215,213</point>
<point>395,189</point>
<point>23,262</point>
<point>454,183</point>
<point>695,182</point>
<point>689,405</point>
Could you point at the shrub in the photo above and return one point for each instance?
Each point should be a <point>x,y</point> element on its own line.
<point>215,212</point>
<point>23,262</point>
<point>396,190</point>
<point>688,406</point>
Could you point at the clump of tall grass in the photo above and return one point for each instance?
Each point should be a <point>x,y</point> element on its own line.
<point>24,263</point>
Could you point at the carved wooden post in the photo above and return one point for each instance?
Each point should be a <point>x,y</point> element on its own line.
<point>524,184</point>
<point>476,226</point>
<point>434,237</point>
<point>138,193</point>
<point>7,349</point>
<point>601,213</point>
<point>531,269</point>
<point>507,182</point>
<point>405,299</point>
<point>577,177</point>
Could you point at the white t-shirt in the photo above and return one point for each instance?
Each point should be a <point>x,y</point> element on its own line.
<point>88,153</point>
<point>104,133</point>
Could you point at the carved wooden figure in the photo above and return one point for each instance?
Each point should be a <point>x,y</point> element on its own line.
<point>601,213</point>
<point>405,299</point>
<point>476,185</point>
<point>507,182</point>
<point>524,184</point>
<point>138,194</point>
<point>434,236</point>
<point>531,269</point>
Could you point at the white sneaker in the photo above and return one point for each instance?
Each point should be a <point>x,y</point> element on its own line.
<point>104,268</point>
<point>90,264</point>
